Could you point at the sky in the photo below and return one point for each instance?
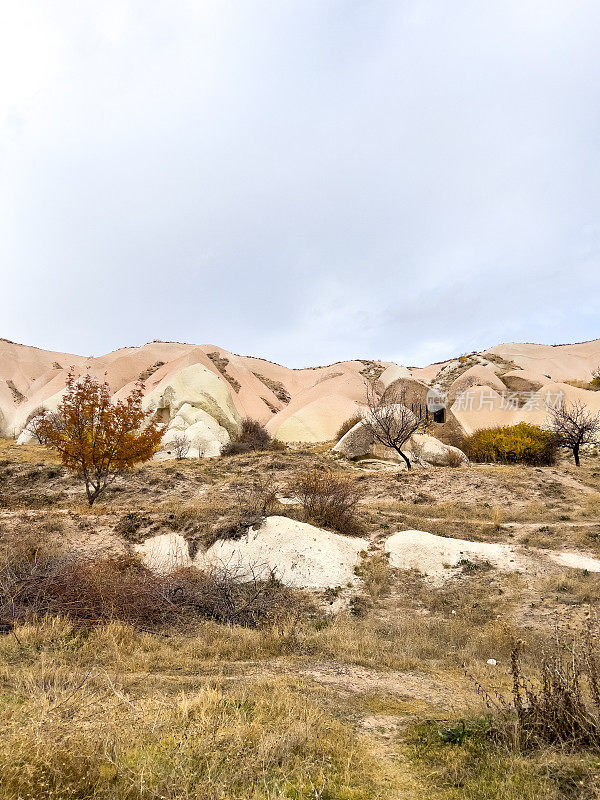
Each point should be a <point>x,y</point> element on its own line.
<point>302,180</point>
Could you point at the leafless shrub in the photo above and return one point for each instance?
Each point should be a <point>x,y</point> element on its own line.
<point>574,426</point>
<point>180,446</point>
<point>559,705</point>
<point>39,422</point>
<point>328,500</point>
<point>91,591</point>
<point>391,421</point>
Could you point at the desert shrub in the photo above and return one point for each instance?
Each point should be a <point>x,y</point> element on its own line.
<point>348,425</point>
<point>253,436</point>
<point>514,444</point>
<point>180,446</point>
<point>454,460</point>
<point>254,500</point>
<point>558,704</point>
<point>328,500</point>
<point>35,583</point>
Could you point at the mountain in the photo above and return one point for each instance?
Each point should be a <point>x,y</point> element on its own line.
<point>189,384</point>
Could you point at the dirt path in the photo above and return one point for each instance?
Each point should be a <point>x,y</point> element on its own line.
<point>441,693</point>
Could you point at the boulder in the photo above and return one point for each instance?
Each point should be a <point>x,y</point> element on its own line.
<point>436,556</point>
<point>359,441</point>
<point>164,553</point>
<point>297,553</point>
<point>430,450</point>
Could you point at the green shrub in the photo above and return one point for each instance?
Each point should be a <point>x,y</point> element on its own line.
<point>514,444</point>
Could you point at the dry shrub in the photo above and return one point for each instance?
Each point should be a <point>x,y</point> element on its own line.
<point>254,501</point>
<point>560,704</point>
<point>454,460</point>
<point>328,500</point>
<point>514,444</point>
<point>180,446</point>
<point>253,437</point>
<point>348,424</point>
<point>35,584</point>
<point>497,517</point>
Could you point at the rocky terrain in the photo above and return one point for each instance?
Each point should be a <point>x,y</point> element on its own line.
<point>206,630</point>
<point>205,391</point>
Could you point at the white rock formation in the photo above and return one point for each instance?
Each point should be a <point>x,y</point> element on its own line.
<point>165,553</point>
<point>435,556</point>
<point>196,403</point>
<point>298,553</point>
<point>575,560</point>
<point>26,437</point>
<point>204,434</point>
<point>393,373</point>
<point>197,387</point>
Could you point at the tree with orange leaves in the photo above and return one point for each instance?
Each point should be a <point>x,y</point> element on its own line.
<point>97,438</point>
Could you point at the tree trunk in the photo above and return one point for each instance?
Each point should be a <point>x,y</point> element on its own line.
<point>92,492</point>
<point>576,455</point>
<point>405,457</point>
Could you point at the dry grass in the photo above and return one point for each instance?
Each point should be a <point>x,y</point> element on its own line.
<point>125,731</point>
<point>72,734</point>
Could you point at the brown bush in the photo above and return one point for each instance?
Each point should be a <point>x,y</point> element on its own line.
<point>348,425</point>
<point>87,591</point>
<point>253,436</point>
<point>559,703</point>
<point>328,500</point>
<point>454,460</point>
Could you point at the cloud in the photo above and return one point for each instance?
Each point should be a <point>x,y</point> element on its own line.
<point>305,181</point>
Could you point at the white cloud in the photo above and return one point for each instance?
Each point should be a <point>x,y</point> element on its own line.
<point>307,181</point>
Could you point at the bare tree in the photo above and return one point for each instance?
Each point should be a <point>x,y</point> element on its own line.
<point>180,446</point>
<point>574,426</point>
<point>391,421</point>
<point>39,422</point>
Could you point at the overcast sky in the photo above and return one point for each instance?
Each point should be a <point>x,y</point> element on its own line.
<point>303,180</point>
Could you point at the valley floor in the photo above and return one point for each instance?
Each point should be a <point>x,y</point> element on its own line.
<point>346,706</point>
